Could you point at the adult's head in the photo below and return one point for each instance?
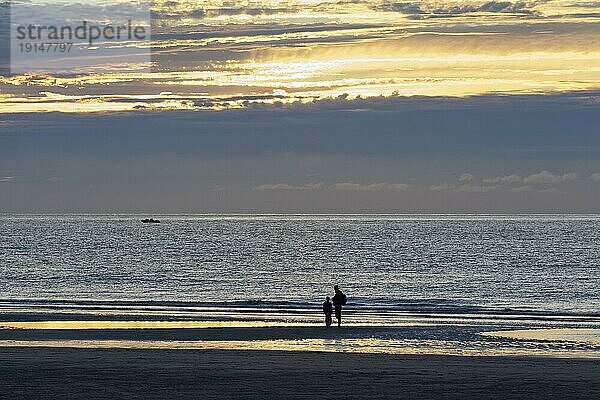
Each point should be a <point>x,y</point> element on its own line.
<point>327,298</point>
<point>336,288</point>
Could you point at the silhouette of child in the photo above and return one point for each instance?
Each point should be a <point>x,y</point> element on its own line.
<point>328,310</point>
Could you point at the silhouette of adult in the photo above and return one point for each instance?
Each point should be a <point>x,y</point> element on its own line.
<point>339,300</point>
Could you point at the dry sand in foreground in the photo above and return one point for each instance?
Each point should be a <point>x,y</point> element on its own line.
<point>50,373</point>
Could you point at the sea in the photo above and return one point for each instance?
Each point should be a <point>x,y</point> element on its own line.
<point>548,263</point>
<point>532,270</point>
<point>456,263</point>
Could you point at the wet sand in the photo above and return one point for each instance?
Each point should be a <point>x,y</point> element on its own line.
<point>78,369</point>
<point>49,373</point>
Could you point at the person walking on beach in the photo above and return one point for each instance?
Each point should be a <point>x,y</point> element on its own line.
<point>339,300</point>
<point>328,310</point>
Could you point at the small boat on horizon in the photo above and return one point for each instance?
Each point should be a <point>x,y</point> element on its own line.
<point>151,221</point>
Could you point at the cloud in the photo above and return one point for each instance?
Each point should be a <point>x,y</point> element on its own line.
<point>286,187</point>
<point>468,188</point>
<point>585,4</point>
<point>595,177</point>
<point>520,189</point>
<point>340,186</point>
<point>418,8</point>
<point>546,177</point>
<point>527,188</point>
<point>174,10</point>
<point>503,179</point>
<point>442,187</point>
<point>7,179</point>
<point>466,177</point>
<point>358,187</point>
<point>408,8</point>
<point>177,10</point>
<point>419,141</point>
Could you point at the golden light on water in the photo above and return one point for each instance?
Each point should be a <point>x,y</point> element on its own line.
<point>364,345</point>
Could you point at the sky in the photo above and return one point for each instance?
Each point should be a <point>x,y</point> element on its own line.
<point>316,107</point>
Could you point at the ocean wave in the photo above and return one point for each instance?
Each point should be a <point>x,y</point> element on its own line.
<point>380,307</point>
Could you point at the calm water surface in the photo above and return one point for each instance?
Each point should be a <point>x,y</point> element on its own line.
<point>425,263</point>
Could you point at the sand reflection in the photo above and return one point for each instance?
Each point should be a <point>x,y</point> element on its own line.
<point>372,346</point>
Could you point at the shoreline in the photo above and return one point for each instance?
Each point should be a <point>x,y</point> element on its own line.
<point>220,329</point>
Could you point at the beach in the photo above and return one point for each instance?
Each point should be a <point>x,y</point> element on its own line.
<point>48,373</point>
<point>312,199</point>
<point>450,307</point>
<point>46,356</point>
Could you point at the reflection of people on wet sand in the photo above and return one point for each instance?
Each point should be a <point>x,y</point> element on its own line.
<point>339,300</point>
<point>328,310</point>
